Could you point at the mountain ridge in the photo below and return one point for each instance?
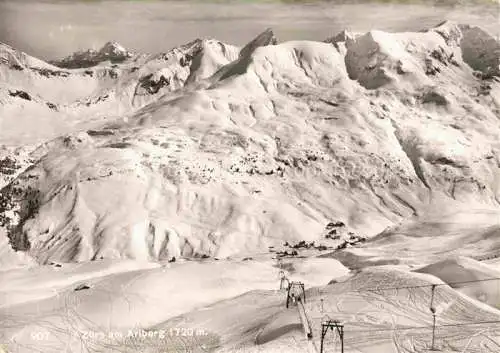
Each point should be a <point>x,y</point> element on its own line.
<point>212,150</point>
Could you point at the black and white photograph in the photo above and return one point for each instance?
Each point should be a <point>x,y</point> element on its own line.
<point>249,176</point>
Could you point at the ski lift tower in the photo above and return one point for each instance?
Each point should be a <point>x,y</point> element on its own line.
<point>296,291</point>
<point>334,325</point>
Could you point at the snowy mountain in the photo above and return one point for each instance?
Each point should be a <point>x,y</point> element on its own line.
<point>209,150</point>
<point>111,51</point>
<point>364,160</point>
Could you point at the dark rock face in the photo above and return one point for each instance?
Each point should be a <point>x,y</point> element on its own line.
<point>435,97</point>
<point>265,38</point>
<point>153,86</point>
<point>480,51</point>
<point>16,67</point>
<point>240,66</point>
<point>50,73</point>
<point>81,287</point>
<point>343,36</point>
<point>51,106</point>
<point>20,94</point>
<point>23,203</point>
<point>8,166</point>
<point>332,225</point>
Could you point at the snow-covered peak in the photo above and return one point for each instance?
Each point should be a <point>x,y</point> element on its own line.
<point>18,60</point>
<point>111,51</point>
<point>342,36</point>
<point>302,122</point>
<point>450,31</point>
<point>238,66</point>
<point>115,49</point>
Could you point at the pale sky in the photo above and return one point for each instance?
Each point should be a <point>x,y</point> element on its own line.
<point>51,29</point>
